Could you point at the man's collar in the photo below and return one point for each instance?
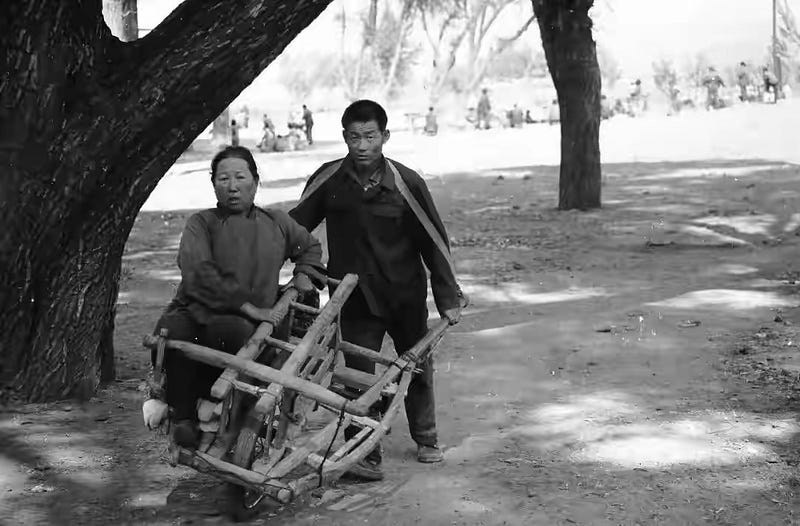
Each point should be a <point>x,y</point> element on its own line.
<point>381,176</point>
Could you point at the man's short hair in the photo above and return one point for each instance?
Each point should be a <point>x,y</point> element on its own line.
<point>365,110</point>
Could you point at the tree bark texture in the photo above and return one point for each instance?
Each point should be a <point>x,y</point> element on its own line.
<point>569,48</point>
<point>88,126</point>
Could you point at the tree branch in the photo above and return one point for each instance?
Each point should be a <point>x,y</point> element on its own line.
<point>428,34</point>
<point>505,42</point>
<point>192,65</point>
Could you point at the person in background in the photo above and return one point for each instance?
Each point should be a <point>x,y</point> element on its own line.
<point>234,133</point>
<point>770,83</point>
<point>636,92</point>
<point>713,82</point>
<point>431,126</point>
<point>484,110</point>
<point>528,118</point>
<point>605,107</point>
<point>554,113</point>
<point>308,120</point>
<point>743,80</point>
<point>515,117</point>
<point>230,258</point>
<point>269,136</point>
<point>373,232</point>
<point>268,124</point>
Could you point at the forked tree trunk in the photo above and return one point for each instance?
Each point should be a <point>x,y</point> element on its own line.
<point>569,48</point>
<point>122,18</point>
<point>88,125</point>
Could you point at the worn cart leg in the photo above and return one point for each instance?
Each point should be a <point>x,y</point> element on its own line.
<point>306,361</point>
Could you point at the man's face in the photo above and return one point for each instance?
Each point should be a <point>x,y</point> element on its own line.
<point>235,185</point>
<point>365,142</point>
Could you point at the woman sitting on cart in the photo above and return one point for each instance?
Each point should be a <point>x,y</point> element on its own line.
<point>230,258</point>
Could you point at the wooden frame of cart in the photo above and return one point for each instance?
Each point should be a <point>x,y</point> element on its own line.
<point>257,405</point>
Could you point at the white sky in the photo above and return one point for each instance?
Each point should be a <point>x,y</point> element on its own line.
<point>637,32</point>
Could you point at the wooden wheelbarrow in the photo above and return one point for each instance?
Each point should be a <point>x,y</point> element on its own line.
<point>255,406</point>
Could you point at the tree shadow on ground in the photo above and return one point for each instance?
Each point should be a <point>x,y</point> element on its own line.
<point>524,263</point>
<point>68,467</point>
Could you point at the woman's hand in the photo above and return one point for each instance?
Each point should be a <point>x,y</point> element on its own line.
<point>301,282</point>
<point>259,314</point>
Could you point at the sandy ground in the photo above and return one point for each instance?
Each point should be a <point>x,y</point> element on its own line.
<point>632,365</point>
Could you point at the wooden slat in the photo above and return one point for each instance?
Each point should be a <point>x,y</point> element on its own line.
<point>252,349</point>
<point>354,378</point>
<point>314,459</point>
<point>280,344</point>
<point>418,352</point>
<point>278,379</point>
<point>334,469</point>
<point>225,470</point>
<point>223,443</point>
<point>321,324</point>
<point>352,349</point>
<point>299,455</point>
<point>305,308</point>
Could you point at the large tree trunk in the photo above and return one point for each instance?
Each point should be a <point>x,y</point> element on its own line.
<point>89,126</point>
<point>566,30</point>
<point>122,18</point>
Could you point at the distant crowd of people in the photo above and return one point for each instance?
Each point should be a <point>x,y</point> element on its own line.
<point>482,117</point>
<point>753,85</point>
<point>298,123</point>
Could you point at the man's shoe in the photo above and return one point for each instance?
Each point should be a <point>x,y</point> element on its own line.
<point>185,433</point>
<point>366,471</point>
<point>429,454</point>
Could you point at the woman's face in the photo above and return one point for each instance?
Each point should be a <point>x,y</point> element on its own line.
<point>235,185</point>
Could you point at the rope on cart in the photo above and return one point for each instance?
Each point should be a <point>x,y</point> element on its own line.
<point>330,446</point>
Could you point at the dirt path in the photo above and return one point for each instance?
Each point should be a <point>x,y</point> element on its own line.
<point>570,394</point>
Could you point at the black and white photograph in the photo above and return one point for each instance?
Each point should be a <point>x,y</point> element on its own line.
<point>400,262</point>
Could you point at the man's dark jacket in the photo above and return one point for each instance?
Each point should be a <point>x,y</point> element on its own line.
<point>374,234</point>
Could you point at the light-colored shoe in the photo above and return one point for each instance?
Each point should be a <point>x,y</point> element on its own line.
<point>429,454</point>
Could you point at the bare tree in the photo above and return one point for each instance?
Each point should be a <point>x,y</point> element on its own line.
<point>695,69</point>
<point>483,50</point>
<point>398,44</point>
<point>445,28</point>
<point>357,70</point>
<point>788,42</point>
<point>566,31</point>
<point>450,23</point>
<point>665,77</point>
<point>89,126</point>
